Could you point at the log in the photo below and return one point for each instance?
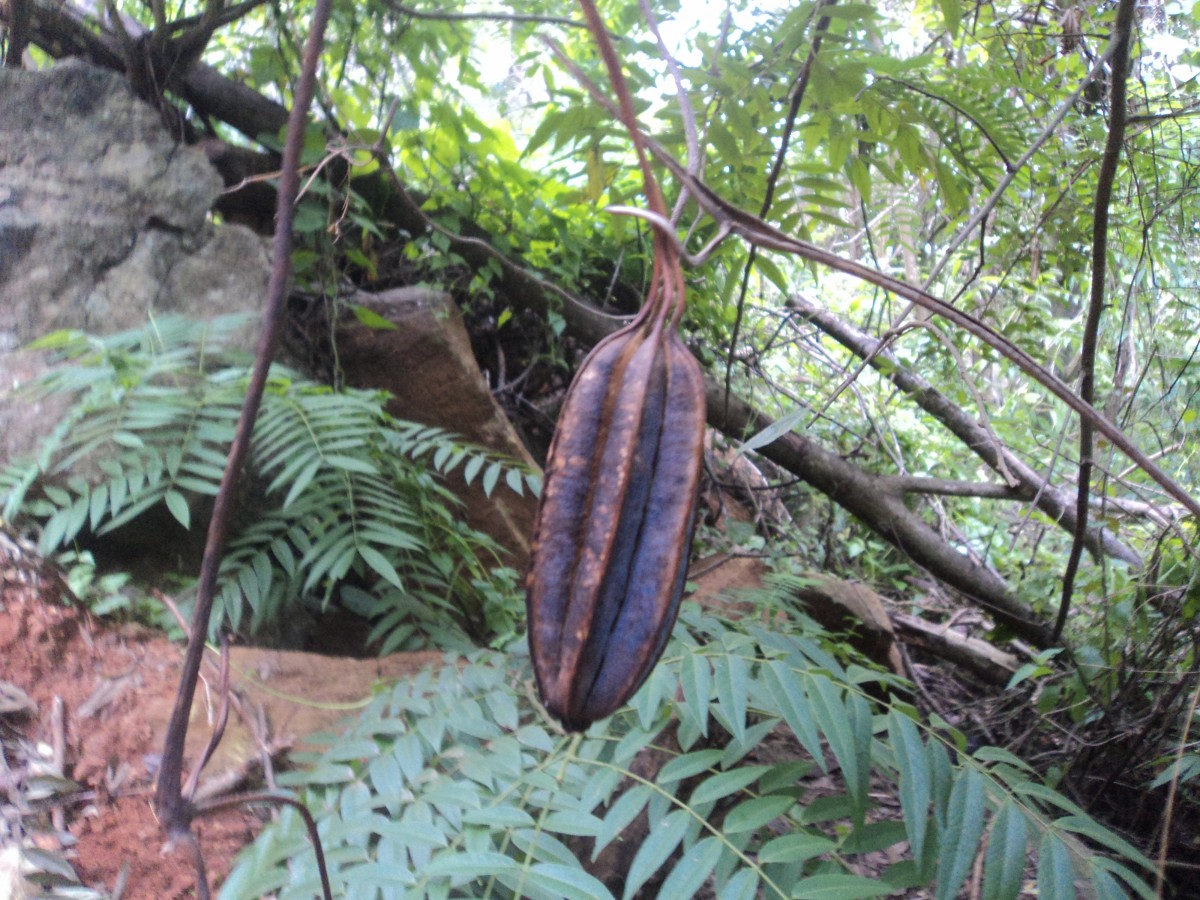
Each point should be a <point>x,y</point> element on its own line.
<point>986,660</point>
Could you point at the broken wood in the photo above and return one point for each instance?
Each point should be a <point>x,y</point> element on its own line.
<point>986,660</point>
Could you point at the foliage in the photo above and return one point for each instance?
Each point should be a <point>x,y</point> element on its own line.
<point>914,113</point>
<point>769,761</point>
<point>350,502</point>
<point>29,866</point>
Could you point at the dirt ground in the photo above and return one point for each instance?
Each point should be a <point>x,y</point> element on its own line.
<point>98,697</point>
<point>101,696</point>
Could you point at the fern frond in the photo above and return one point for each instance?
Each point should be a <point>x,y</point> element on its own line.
<point>347,486</point>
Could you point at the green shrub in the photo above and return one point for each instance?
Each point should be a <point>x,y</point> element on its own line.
<point>347,491</point>
<point>455,785</point>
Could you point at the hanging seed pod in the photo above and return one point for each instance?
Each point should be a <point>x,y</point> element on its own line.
<point>615,524</point>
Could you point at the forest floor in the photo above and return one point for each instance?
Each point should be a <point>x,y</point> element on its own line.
<point>82,737</point>
<point>84,705</point>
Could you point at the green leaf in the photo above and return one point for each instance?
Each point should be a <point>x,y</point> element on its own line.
<point>915,789</point>
<point>350,464</point>
<point>380,565</point>
<point>659,844</point>
<point>695,677</point>
<point>742,885</point>
<point>839,887</point>
<point>841,722</point>
<point>732,678</point>
<point>474,464</point>
<point>372,319</point>
<point>302,481</point>
<point>692,870</point>
<point>959,840</point>
<point>620,815</point>
<point>1056,874</point>
<point>514,480</point>
<point>773,274</point>
<point>774,431</point>
<point>1093,830</point>
<point>787,690</point>
<point>951,15</point>
<point>565,882</point>
<point>687,765</point>
<point>725,783</point>
<point>1004,864</point>
<point>753,814</point>
<point>455,862</point>
<point>795,847</point>
<point>179,508</point>
<point>490,477</point>
<point>498,817</point>
<point>1098,865</point>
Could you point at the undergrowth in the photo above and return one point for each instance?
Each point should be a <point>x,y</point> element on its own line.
<point>346,500</point>
<point>755,761</point>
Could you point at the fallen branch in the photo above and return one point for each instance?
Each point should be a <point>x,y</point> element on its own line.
<point>1029,485</point>
<point>882,509</point>
<point>987,661</point>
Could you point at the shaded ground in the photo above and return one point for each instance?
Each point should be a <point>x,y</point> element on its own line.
<point>114,686</point>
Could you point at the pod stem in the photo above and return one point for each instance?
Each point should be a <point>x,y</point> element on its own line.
<point>667,295</point>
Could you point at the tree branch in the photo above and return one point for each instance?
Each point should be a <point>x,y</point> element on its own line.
<point>1121,40</point>
<point>61,30</point>
<point>869,498</point>
<point>1030,486</point>
<point>175,812</point>
<point>734,220</point>
<point>442,16</point>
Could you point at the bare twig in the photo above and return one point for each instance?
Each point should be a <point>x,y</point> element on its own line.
<point>798,92</point>
<point>1121,39</point>
<point>993,199</point>
<point>980,215</point>
<point>496,16</point>
<point>175,811</point>
<point>277,798</point>
<point>1030,485</point>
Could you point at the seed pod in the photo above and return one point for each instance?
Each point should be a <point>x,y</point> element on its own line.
<point>615,523</point>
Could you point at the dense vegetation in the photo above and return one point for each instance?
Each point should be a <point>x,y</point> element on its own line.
<point>984,152</point>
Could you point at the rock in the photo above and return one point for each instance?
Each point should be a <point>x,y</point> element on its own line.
<point>427,365</point>
<point>838,605</point>
<point>103,218</point>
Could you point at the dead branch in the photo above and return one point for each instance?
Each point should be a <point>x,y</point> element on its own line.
<point>883,510</point>
<point>986,660</point>
<point>1030,486</point>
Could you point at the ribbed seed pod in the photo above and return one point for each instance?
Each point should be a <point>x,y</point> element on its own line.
<point>615,523</point>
